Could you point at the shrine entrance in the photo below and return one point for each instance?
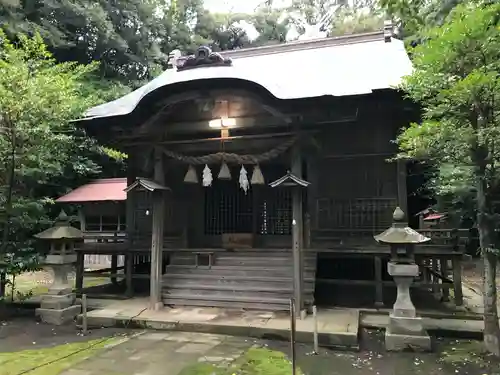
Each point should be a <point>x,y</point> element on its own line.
<point>228,208</point>
<point>261,211</point>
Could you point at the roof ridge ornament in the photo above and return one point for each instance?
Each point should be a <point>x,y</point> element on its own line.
<point>204,57</point>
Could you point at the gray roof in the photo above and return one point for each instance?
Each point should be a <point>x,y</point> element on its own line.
<point>145,183</point>
<point>341,66</point>
<point>290,180</point>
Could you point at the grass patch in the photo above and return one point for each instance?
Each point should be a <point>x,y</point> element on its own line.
<point>26,289</point>
<point>256,361</point>
<point>469,354</point>
<point>204,369</point>
<point>52,361</point>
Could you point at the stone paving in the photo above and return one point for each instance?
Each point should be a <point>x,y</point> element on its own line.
<point>336,327</point>
<point>159,353</point>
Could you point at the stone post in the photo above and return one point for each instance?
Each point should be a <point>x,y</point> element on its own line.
<point>58,307</point>
<point>405,329</point>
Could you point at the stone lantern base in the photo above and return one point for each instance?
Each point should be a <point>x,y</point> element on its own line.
<point>405,329</point>
<point>57,306</point>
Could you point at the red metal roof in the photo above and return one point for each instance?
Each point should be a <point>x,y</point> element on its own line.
<point>434,216</point>
<point>107,189</point>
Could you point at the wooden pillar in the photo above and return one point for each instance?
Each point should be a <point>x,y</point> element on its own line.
<point>402,190</point>
<point>435,278</point>
<point>114,266</point>
<point>457,280</point>
<point>80,268</point>
<point>157,234</point>
<point>130,203</point>
<point>297,230</point>
<point>445,276</point>
<point>81,219</point>
<point>130,212</point>
<point>129,270</point>
<point>379,292</point>
<point>3,283</point>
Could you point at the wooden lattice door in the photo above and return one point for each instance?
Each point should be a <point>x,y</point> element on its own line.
<point>228,209</point>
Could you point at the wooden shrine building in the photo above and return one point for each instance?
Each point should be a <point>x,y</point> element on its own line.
<point>244,165</point>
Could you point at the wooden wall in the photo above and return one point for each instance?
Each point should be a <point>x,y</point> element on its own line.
<point>354,188</point>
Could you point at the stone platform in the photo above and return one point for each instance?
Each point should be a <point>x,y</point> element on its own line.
<point>336,327</point>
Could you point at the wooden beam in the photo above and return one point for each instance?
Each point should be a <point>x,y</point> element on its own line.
<point>227,139</point>
<point>174,99</point>
<point>209,94</point>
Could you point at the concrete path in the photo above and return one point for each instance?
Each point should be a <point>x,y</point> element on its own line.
<point>160,353</point>
<point>336,327</point>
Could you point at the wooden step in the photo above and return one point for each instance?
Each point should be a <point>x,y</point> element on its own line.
<point>243,253</point>
<point>201,278</point>
<point>215,300</point>
<point>225,258</point>
<point>256,275</point>
<point>226,304</point>
<point>249,280</point>
<point>228,261</point>
<point>237,268</point>
<point>258,296</point>
<point>233,287</point>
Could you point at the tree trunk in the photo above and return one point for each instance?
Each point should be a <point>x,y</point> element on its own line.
<point>491,326</point>
<point>8,208</point>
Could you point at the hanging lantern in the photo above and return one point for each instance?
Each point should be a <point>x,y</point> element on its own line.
<point>191,176</point>
<point>257,176</point>
<point>224,173</point>
<point>244,184</point>
<point>207,176</point>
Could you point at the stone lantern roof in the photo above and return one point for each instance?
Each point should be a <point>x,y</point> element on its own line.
<point>61,230</point>
<point>400,232</point>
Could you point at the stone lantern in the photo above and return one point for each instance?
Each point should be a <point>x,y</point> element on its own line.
<point>57,306</point>
<point>405,329</point>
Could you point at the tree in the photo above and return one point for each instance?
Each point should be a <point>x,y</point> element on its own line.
<point>457,83</point>
<point>38,144</point>
<point>414,17</point>
<point>357,16</point>
<point>123,35</point>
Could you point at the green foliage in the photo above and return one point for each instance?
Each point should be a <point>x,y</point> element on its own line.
<point>456,81</point>
<point>358,17</point>
<point>38,144</point>
<point>415,17</point>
